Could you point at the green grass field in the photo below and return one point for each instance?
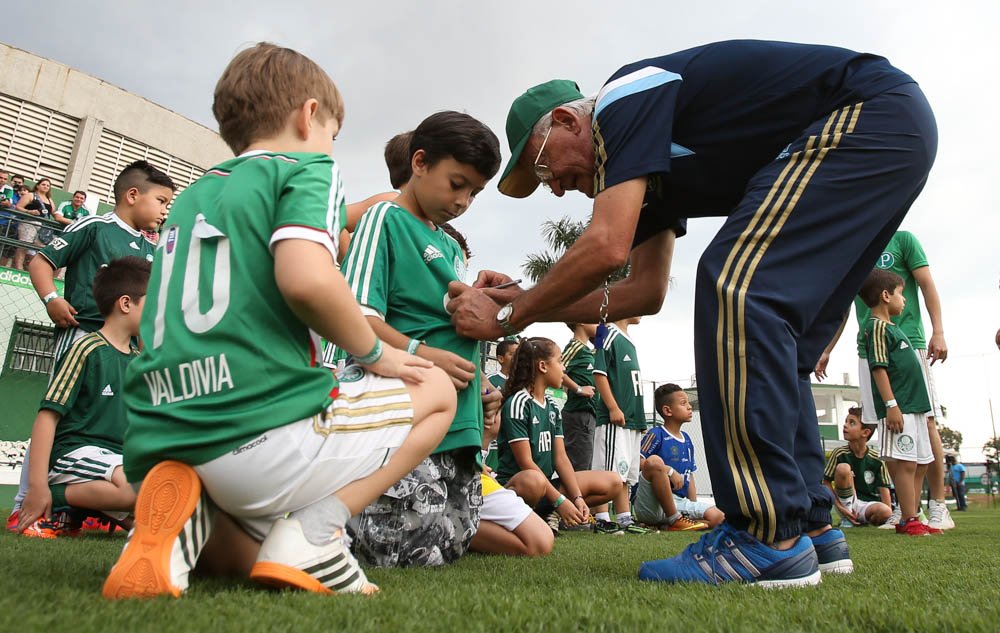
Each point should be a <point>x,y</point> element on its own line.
<point>945,583</point>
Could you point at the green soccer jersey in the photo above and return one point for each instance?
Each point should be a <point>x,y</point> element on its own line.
<point>578,359</point>
<point>492,459</point>
<point>870,472</point>
<point>87,391</point>
<point>498,380</point>
<point>226,359</point>
<point>618,361</point>
<point>85,247</point>
<point>522,418</point>
<point>67,211</point>
<point>886,346</point>
<point>399,269</point>
<point>902,255</point>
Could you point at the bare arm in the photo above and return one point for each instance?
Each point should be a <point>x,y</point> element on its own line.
<point>937,349</point>
<point>893,416</point>
<point>43,279</point>
<point>22,205</point>
<point>460,370</point>
<point>692,489</point>
<point>615,412</point>
<point>38,501</point>
<point>883,494</point>
<point>824,358</point>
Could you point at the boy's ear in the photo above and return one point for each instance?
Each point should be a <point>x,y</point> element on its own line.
<point>418,162</point>
<point>885,296</point>
<point>302,118</point>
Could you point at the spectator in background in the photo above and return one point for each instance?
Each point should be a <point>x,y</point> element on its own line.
<point>72,210</point>
<point>11,232</point>
<point>39,204</point>
<point>957,470</point>
<point>7,197</point>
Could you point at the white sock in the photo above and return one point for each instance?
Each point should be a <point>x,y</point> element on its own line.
<point>602,516</point>
<point>673,518</point>
<point>623,518</point>
<point>322,520</point>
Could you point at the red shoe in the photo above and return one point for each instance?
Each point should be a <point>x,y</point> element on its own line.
<point>12,520</point>
<point>913,527</point>
<point>56,526</point>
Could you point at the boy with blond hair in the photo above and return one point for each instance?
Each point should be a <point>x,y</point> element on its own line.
<point>247,263</point>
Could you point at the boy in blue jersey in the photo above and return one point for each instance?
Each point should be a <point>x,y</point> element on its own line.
<point>667,494</point>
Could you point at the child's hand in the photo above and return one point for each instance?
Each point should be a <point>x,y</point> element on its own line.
<point>61,312</point>
<point>570,514</point>
<point>586,392</point>
<point>460,370</point>
<point>581,505</point>
<point>395,363</point>
<point>894,419</point>
<point>844,512</point>
<point>492,399</point>
<point>676,480</point>
<point>617,417</point>
<point>37,504</point>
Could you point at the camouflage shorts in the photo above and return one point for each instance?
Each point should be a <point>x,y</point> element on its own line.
<point>425,520</point>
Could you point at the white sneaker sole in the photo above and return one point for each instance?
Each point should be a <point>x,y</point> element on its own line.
<point>807,581</point>
<point>837,567</point>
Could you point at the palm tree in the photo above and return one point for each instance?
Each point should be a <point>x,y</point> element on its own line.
<point>560,234</point>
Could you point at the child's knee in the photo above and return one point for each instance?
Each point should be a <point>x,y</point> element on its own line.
<point>843,470</point>
<point>653,464</point>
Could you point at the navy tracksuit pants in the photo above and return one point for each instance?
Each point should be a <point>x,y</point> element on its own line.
<point>773,286</point>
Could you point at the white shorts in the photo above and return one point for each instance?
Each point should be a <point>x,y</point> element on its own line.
<point>912,444</point>
<point>295,465</point>
<point>647,509</point>
<point>85,464</point>
<point>502,505</point>
<point>617,449</point>
<point>860,509</point>
<point>868,415</point>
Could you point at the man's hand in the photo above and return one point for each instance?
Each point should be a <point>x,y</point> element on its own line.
<point>617,416</point>
<point>937,349</point>
<point>473,314</point>
<point>894,419</point>
<point>821,364</point>
<point>460,370</point>
<point>490,278</point>
<point>61,312</point>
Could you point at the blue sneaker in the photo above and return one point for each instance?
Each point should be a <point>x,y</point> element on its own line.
<point>729,555</point>
<point>833,554</point>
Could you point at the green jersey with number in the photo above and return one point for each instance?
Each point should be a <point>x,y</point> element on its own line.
<point>887,347</point>
<point>618,360</point>
<point>87,391</point>
<point>85,247</point>
<point>524,419</point>
<point>578,359</point>
<point>902,255</point>
<point>399,269</point>
<point>67,211</point>
<point>225,358</point>
<point>870,472</point>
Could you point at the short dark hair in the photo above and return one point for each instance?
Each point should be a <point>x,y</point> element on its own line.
<point>662,396</point>
<point>126,276</point>
<point>456,235</point>
<point>870,427</point>
<point>505,345</point>
<point>141,175</point>
<point>81,192</point>
<point>14,176</point>
<point>459,136</point>
<point>855,411</point>
<point>877,282</point>
<point>397,159</point>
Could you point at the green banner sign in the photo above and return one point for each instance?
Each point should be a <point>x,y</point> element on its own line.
<point>21,279</point>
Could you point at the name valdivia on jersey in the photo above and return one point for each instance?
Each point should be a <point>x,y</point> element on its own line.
<point>199,377</point>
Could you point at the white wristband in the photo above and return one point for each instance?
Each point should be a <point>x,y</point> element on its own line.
<point>670,471</point>
<point>49,297</point>
<point>411,347</point>
<point>890,404</point>
<point>579,391</point>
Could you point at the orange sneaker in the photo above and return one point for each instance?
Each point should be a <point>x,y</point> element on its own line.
<point>58,525</point>
<point>685,524</point>
<point>172,522</point>
<point>12,520</point>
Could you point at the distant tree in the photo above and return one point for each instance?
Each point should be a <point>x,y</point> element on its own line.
<point>560,235</point>
<point>950,438</point>
<point>991,450</point>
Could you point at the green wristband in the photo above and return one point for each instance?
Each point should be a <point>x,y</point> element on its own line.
<point>558,502</point>
<point>371,357</point>
<point>411,347</point>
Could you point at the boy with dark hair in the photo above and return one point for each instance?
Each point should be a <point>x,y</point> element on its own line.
<point>76,442</point>
<point>256,238</point>
<point>491,428</point>
<point>579,414</point>
<point>142,193</point>
<point>399,265</point>
<point>505,353</point>
<point>397,159</point>
<point>667,494</point>
<point>857,477</point>
<point>900,396</point>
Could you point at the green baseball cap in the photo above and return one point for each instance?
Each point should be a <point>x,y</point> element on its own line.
<point>518,181</point>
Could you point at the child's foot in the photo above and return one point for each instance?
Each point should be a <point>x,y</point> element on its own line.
<point>893,520</point>
<point>940,517</point>
<point>729,555</point>
<point>12,520</point>
<point>606,527</point>
<point>172,522</point>
<point>287,559</point>
<point>684,524</point>
<point>631,527</point>
<point>56,526</point>
<point>914,527</point>
<point>832,552</point>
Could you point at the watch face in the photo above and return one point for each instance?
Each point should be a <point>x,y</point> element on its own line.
<point>504,312</point>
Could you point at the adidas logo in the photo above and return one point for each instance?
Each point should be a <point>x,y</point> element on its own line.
<point>627,358</point>
<point>903,345</point>
<point>431,253</point>
<point>107,391</point>
<point>534,420</point>
<point>590,367</point>
<point>133,245</point>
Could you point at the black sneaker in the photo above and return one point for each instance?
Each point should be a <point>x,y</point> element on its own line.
<point>607,527</point>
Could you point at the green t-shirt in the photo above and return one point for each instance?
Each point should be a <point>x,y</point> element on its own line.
<point>85,247</point>
<point>226,359</point>
<point>619,362</point>
<point>870,472</point>
<point>522,418</point>
<point>902,255</point>
<point>578,359</point>
<point>492,458</point>
<point>498,380</point>
<point>87,391</point>
<point>886,346</point>
<point>399,269</point>
<point>67,211</point>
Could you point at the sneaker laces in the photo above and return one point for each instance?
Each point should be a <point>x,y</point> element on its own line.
<point>708,546</point>
<point>937,512</point>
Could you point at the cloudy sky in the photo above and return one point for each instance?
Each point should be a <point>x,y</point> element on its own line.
<point>397,62</point>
